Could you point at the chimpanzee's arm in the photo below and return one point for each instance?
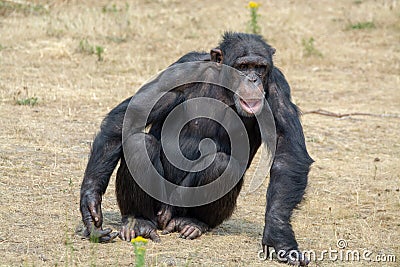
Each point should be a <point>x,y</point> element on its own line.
<point>105,154</point>
<point>288,176</point>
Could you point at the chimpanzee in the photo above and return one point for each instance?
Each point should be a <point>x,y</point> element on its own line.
<point>143,215</point>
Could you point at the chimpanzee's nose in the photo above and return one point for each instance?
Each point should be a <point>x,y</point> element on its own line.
<point>253,77</point>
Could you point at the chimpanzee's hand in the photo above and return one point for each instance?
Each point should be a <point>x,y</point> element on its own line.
<point>93,218</point>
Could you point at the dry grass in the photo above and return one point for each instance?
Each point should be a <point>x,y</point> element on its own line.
<point>354,184</point>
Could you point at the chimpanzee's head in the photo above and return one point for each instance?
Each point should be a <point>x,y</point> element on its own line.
<point>251,55</point>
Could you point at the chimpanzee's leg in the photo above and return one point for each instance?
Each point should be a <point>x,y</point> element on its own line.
<point>138,209</point>
<point>200,219</point>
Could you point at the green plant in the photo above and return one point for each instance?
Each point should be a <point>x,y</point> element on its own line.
<point>309,48</point>
<point>29,101</point>
<point>361,25</point>
<point>94,236</point>
<point>87,48</point>
<point>253,23</point>
<point>99,52</point>
<point>24,7</point>
<point>93,253</point>
<point>139,244</point>
<point>107,9</point>
<point>113,8</point>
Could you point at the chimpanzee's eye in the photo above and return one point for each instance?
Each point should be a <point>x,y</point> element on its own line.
<point>260,69</point>
<point>242,67</point>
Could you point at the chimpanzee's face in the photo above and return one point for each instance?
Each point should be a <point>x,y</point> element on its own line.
<point>254,60</point>
<point>249,100</point>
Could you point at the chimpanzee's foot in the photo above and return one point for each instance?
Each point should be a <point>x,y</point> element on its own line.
<point>133,227</point>
<point>297,258</point>
<point>164,215</point>
<point>188,228</point>
<point>292,257</point>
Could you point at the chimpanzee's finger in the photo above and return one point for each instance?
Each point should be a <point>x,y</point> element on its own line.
<point>108,238</point>
<point>169,228</point>
<point>95,212</point>
<point>190,232</point>
<point>154,236</point>
<point>193,234</point>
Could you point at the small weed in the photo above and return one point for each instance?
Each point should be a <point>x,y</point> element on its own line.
<point>22,97</point>
<point>94,238</point>
<point>30,101</point>
<point>309,48</point>
<point>86,48</point>
<point>1,47</point>
<point>139,244</point>
<point>26,8</point>
<point>113,8</point>
<point>107,9</point>
<point>99,52</point>
<point>253,23</point>
<point>361,25</point>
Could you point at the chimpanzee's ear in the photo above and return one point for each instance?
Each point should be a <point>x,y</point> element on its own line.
<point>273,50</point>
<point>216,55</point>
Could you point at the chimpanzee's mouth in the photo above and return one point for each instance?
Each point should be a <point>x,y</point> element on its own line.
<point>251,106</point>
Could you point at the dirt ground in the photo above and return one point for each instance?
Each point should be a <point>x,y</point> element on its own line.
<point>341,56</point>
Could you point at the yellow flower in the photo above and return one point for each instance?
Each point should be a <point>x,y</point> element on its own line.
<point>253,4</point>
<point>139,239</point>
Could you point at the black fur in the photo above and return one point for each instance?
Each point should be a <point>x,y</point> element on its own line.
<point>288,177</point>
